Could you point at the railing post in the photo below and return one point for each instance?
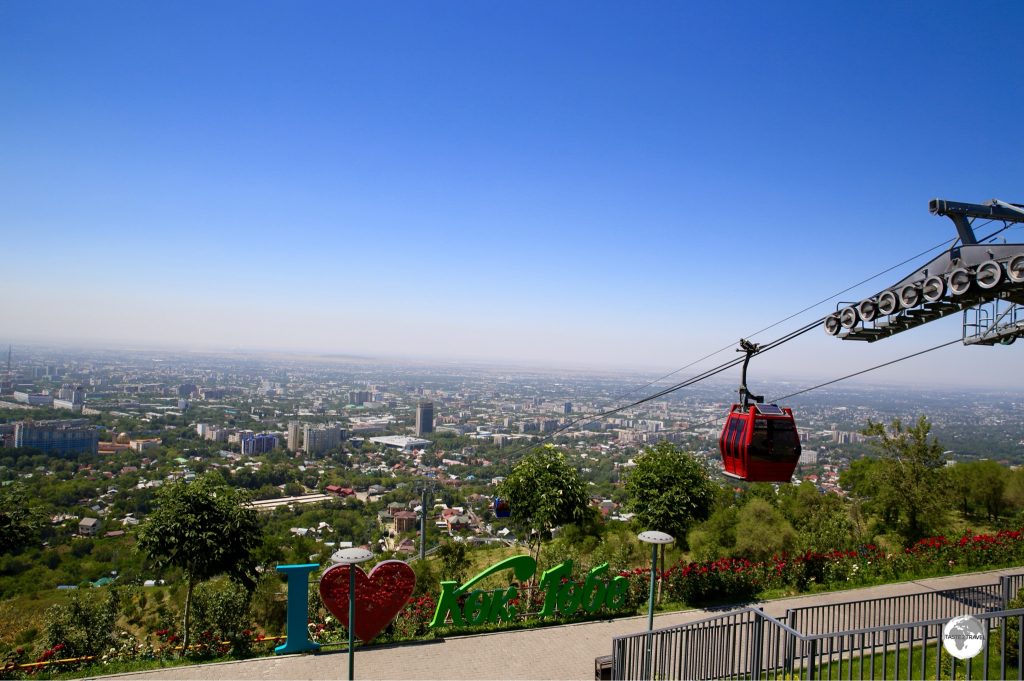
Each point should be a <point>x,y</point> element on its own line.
<point>812,652</point>
<point>758,651</point>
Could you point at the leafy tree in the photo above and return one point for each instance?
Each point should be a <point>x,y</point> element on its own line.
<point>1013,493</point>
<point>544,491</point>
<point>988,482</point>
<point>762,531</point>
<point>908,481</point>
<point>20,520</point>
<point>716,536</point>
<point>205,529</point>
<point>822,521</point>
<point>454,562</point>
<point>669,490</point>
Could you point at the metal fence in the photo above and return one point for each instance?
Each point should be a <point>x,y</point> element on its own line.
<point>894,637</point>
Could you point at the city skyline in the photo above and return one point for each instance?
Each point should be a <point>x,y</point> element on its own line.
<point>582,185</point>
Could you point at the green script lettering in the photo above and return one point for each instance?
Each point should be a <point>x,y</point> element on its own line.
<point>550,582</point>
<point>500,607</point>
<point>523,567</point>
<point>477,607</point>
<point>594,589</point>
<point>618,589</point>
<point>560,594</point>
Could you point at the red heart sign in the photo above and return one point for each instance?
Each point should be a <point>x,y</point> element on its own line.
<point>380,596</point>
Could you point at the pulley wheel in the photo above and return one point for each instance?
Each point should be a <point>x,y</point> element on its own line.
<point>848,317</point>
<point>888,302</point>
<point>868,310</point>
<point>933,289</point>
<point>1015,269</point>
<point>959,281</point>
<point>910,296</point>
<point>989,274</point>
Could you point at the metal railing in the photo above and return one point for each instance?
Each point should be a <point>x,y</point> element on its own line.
<point>879,612</point>
<point>893,637</point>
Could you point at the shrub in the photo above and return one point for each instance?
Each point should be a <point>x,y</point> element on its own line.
<point>84,625</point>
<point>221,619</point>
<point>720,581</point>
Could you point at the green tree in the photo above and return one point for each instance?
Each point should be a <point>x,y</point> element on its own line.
<point>454,562</point>
<point>669,491</point>
<point>988,483</point>
<point>910,488</point>
<point>206,529</point>
<point>716,536</point>
<point>822,521</point>
<point>762,531</point>
<point>21,521</point>
<point>544,491</point>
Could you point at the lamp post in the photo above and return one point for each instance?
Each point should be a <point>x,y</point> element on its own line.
<point>351,557</point>
<point>655,539</point>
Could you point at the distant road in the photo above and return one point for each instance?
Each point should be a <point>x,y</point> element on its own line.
<point>271,504</point>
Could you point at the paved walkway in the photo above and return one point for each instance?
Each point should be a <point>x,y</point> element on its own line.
<point>561,652</point>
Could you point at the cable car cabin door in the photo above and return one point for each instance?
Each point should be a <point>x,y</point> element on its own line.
<point>731,444</point>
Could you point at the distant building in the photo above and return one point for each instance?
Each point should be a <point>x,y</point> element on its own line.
<point>70,436</point>
<point>89,527</point>
<point>317,439</point>
<point>424,418</point>
<point>257,444</point>
<point>33,399</point>
<point>294,435</point>
<point>567,408</point>
<point>405,521</point>
<point>143,445</point>
<point>400,442</point>
<point>547,425</point>
<point>358,396</point>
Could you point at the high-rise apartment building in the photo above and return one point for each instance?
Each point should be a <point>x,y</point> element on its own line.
<point>424,418</point>
<point>257,443</point>
<point>70,436</point>
<point>294,435</point>
<point>317,439</point>
<point>358,396</point>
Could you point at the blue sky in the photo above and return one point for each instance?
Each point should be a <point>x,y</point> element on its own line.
<point>606,184</point>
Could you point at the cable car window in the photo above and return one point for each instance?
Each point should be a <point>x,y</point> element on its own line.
<point>776,442</point>
<point>736,434</point>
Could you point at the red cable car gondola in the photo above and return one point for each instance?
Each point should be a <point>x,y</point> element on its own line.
<point>759,442</point>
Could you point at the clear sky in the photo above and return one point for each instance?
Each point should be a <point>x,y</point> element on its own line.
<point>627,185</point>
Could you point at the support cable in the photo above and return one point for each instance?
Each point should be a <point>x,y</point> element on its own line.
<point>864,371</point>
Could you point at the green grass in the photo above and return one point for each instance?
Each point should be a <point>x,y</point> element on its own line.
<point>921,661</point>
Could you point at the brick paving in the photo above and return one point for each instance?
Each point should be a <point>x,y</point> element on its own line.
<point>558,652</point>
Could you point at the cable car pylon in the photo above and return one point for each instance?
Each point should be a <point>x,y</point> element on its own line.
<point>984,280</point>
